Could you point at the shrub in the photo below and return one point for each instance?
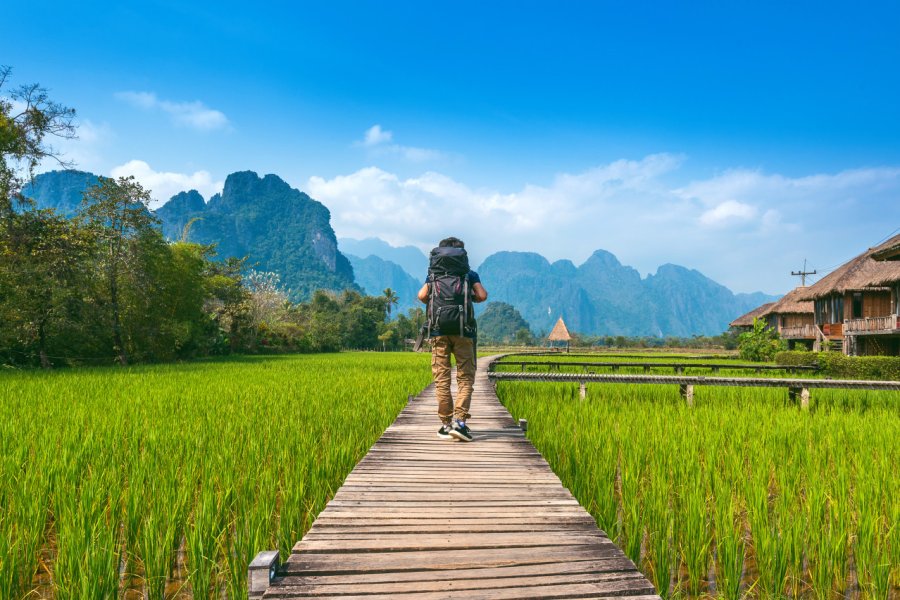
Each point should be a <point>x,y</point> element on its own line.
<point>835,364</point>
<point>761,343</point>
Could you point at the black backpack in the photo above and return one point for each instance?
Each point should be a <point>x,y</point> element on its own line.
<point>450,308</point>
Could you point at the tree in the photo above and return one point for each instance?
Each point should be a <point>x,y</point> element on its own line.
<point>40,296</point>
<point>391,299</point>
<point>27,117</point>
<point>117,212</point>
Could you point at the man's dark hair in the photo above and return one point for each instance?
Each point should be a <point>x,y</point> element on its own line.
<point>451,242</point>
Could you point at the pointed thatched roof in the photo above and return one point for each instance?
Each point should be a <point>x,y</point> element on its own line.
<point>747,320</point>
<point>860,273</point>
<point>559,333</point>
<point>791,304</point>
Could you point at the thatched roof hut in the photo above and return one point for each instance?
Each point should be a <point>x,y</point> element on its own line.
<point>747,320</point>
<point>790,304</point>
<point>860,273</point>
<point>559,333</point>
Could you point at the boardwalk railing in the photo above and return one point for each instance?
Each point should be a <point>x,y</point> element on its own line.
<point>686,383</point>
<point>679,367</point>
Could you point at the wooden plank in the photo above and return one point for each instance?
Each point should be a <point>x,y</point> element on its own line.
<point>401,527</point>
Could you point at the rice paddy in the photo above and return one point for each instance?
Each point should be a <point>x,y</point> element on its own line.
<point>165,481</point>
<point>743,495</point>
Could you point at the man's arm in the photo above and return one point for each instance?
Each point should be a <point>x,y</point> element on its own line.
<point>479,294</point>
<point>423,293</point>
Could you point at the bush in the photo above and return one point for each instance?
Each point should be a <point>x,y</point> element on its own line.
<point>797,358</point>
<point>761,343</point>
<point>835,364</point>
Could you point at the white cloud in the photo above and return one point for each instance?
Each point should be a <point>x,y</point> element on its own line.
<point>745,229</point>
<point>377,142</point>
<point>164,185</point>
<point>194,115</point>
<point>728,211</point>
<point>376,135</point>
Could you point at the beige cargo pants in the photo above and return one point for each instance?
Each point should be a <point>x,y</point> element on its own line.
<point>463,349</point>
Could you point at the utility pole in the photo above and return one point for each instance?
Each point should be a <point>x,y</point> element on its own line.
<point>802,274</point>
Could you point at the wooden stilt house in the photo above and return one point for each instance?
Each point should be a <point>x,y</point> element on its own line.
<point>856,305</point>
<point>793,318</point>
<point>559,335</point>
<point>745,322</point>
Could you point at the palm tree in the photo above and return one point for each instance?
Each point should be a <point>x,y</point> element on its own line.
<point>391,299</point>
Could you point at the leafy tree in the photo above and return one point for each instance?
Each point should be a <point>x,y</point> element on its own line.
<point>117,213</point>
<point>41,275</point>
<point>761,343</point>
<point>27,118</point>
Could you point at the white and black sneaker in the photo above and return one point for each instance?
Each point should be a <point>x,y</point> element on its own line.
<point>444,432</point>
<point>461,432</point>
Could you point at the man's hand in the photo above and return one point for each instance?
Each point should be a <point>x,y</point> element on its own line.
<point>479,294</point>
<point>423,293</point>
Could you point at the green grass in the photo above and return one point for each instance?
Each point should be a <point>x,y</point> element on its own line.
<point>773,500</point>
<point>107,469</point>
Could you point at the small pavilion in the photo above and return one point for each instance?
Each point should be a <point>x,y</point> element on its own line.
<point>559,334</point>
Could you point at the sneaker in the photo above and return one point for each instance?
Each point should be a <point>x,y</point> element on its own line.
<point>444,432</point>
<point>461,432</point>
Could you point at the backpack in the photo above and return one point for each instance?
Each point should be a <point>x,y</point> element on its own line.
<point>450,308</point>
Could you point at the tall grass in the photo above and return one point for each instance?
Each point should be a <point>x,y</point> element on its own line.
<point>165,479</point>
<point>743,495</point>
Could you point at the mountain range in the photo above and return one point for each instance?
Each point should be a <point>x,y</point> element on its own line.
<point>282,229</point>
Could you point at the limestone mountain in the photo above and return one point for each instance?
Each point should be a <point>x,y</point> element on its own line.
<point>374,274</point>
<point>604,297</point>
<point>279,228</point>
<point>410,258</point>
<point>59,190</point>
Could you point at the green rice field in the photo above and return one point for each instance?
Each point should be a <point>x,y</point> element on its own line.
<point>743,495</point>
<point>165,481</point>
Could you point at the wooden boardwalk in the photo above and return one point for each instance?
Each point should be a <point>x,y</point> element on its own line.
<point>422,518</point>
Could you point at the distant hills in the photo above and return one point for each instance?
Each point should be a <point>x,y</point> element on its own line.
<point>283,230</point>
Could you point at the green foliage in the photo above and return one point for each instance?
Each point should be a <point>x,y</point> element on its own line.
<point>23,129</point>
<point>122,482</point>
<point>501,323</point>
<point>761,343</point>
<point>839,366</point>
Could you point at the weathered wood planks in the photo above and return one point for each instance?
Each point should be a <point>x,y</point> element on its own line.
<point>421,518</point>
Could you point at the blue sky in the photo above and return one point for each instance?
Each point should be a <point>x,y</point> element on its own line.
<point>734,138</point>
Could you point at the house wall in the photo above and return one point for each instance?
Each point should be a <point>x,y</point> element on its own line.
<point>876,304</point>
<point>796,320</point>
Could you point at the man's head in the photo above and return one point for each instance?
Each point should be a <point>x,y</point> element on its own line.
<point>451,242</point>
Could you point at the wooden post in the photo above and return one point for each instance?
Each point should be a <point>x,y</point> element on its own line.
<point>582,390</point>
<point>261,572</point>
<point>646,368</point>
<point>679,369</point>
<point>687,392</point>
<point>804,398</point>
<point>523,425</point>
<point>615,368</point>
<point>715,370</point>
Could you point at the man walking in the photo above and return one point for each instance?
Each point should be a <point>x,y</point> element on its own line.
<point>449,291</point>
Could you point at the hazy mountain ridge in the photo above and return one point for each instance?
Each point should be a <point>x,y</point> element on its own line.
<point>374,274</point>
<point>283,230</point>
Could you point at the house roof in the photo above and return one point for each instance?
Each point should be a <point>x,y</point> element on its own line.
<point>889,250</point>
<point>559,333</point>
<point>860,273</point>
<point>747,320</point>
<point>791,304</point>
